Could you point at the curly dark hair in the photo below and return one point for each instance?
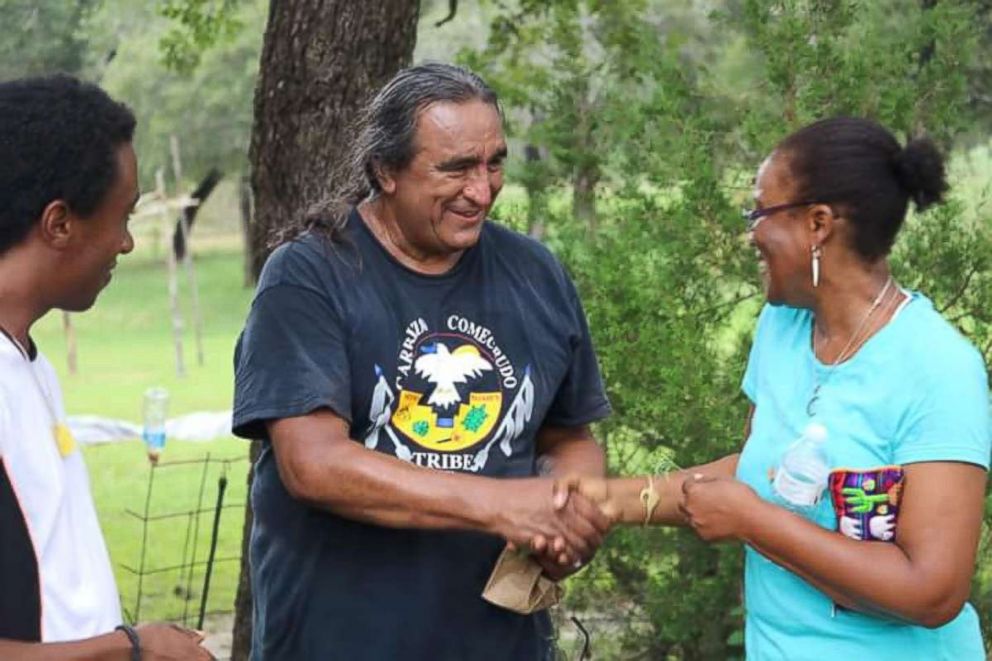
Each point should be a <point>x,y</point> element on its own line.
<point>58,141</point>
<point>857,165</point>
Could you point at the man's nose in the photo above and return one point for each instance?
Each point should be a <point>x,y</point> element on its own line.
<point>479,188</point>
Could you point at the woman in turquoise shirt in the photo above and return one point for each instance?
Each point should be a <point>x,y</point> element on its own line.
<point>881,565</point>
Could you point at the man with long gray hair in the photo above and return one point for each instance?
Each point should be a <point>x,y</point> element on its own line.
<point>407,363</point>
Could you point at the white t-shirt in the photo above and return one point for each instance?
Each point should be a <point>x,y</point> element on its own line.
<point>55,572</point>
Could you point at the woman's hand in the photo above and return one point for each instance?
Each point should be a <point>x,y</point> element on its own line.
<point>718,509</point>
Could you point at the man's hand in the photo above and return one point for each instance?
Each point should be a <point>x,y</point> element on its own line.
<point>555,569</point>
<point>564,451</point>
<point>550,523</point>
<point>170,642</point>
<point>717,508</point>
<point>550,553</point>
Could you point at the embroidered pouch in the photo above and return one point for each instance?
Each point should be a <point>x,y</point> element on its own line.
<point>866,502</point>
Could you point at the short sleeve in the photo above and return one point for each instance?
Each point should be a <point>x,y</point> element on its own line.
<point>950,421</point>
<point>5,430</point>
<point>581,398</point>
<point>291,359</point>
<point>750,382</point>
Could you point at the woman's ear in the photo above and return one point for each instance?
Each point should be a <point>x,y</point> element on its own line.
<point>821,222</point>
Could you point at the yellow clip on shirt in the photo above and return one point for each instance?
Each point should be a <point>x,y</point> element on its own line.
<point>64,439</point>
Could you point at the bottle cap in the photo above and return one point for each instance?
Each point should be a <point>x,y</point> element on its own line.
<point>815,432</point>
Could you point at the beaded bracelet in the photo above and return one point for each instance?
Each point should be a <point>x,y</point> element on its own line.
<point>650,499</point>
<point>132,636</point>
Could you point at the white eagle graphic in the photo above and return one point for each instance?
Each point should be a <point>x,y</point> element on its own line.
<point>444,369</point>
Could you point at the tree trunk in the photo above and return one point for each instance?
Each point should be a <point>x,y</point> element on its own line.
<point>245,204</point>
<point>241,635</point>
<point>584,195</point>
<point>587,172</point>
<point>320,61</point>
<point>535,188</point>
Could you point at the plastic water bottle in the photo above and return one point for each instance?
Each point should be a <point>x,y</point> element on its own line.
<point>156,408</point>
<point>803,472</point>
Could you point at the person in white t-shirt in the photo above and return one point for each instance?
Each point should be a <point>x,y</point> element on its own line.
<point>68,184</point>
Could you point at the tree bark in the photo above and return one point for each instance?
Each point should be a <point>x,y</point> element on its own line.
<point>321,59</point>
<point>535,187</point>
<point>587,172</point>
<point>245,204</point>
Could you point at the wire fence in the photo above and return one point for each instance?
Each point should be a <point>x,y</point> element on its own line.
<point>183,545</point>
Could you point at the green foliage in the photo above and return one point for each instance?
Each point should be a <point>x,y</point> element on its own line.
<point>125,341</point>
<point>186,67</point>
<point>42,36</point>
<point>866,59</point>
<point>197,26</point>
<point>652,119</point>
<point>121,473</point>
<point>980,74</point>
<point>208,107</point>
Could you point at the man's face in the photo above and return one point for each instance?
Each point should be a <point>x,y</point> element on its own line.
<point>442,197</point>
<point>101,237</point>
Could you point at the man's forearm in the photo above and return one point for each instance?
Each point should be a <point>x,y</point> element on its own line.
<point>108,647</point>
<point>319,465</point>
<point>372,487</point>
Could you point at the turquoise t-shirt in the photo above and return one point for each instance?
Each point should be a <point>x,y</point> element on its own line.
<point>915,391</point>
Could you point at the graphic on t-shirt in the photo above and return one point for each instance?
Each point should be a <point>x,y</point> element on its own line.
<point>444,408</point>
<point>867,502</point>
<point>443,420</point>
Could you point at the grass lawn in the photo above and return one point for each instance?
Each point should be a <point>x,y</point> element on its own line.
<point>120,476</point>
<point>125,346</point>
<point>125,342</point>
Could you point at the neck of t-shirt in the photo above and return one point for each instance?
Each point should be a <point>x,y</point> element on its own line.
<point>30,351</point>
<point>407,263</point>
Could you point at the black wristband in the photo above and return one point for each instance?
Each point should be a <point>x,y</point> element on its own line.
<point>132,635</point>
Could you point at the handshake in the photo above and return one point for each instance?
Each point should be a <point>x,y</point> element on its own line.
<point>553,527</point>
<point>562,522</point>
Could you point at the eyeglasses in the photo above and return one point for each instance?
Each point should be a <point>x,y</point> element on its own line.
<point>754,216</point>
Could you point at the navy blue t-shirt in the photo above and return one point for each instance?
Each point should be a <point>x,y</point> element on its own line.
<point>453,372</point>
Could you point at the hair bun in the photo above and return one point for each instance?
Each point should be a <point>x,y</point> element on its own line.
<point>920,170</point>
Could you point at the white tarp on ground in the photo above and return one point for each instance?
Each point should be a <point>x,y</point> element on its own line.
<point>202,426</point>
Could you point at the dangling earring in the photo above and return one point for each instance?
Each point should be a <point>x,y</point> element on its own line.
<point>817,251</point>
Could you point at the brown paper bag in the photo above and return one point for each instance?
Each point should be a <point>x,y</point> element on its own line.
<point>517,584</point>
